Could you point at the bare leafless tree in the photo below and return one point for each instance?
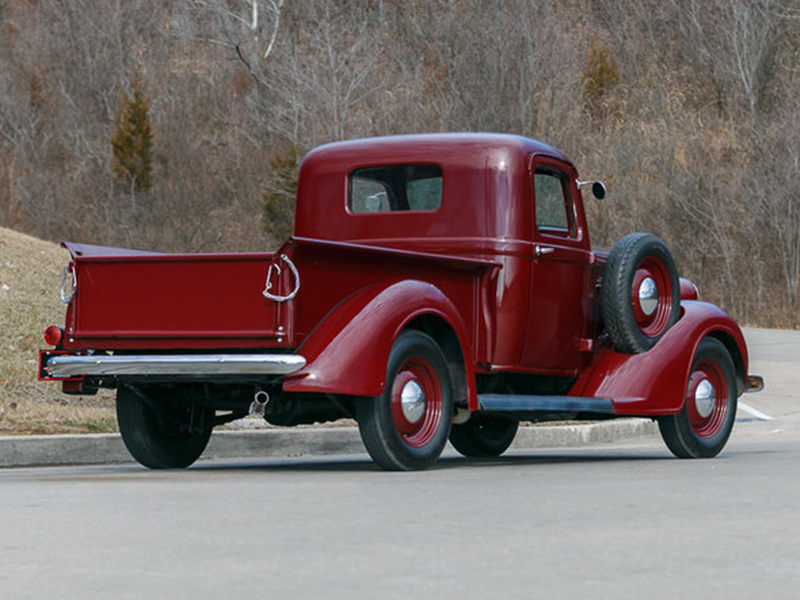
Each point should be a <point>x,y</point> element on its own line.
<point>696,136</point>
<point>738,42</point>
<point>247,27</point>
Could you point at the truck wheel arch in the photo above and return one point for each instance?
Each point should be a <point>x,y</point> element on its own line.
<point>348,351</point>
<point>735,352</point>
<point>654,382</point>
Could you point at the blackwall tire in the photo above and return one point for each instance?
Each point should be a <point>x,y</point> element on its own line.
<point>406,427</point>
<point>153,439</point>
<point>641,292</point>
<point>484,435</point>
<point>703,426</point>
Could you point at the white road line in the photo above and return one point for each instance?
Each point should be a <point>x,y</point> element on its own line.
<point>756,413</point>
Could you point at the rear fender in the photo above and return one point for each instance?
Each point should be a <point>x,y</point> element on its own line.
<point>654,382</point>
<point>348,351</point>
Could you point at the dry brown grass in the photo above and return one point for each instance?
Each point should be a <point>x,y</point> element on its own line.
<point>30,272</point>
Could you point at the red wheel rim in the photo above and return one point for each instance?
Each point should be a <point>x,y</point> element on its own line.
<point>418,422</point>
<point>707,399</point>
<point>651,275</point>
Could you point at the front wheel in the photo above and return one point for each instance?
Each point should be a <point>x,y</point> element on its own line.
<point>704,424</point>
<point>161,433</point>
<point>406,427</point>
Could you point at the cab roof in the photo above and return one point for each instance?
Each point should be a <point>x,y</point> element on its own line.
<point>438,147</point>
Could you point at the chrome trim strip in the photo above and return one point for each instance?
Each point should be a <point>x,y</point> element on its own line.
<point>66,365</point>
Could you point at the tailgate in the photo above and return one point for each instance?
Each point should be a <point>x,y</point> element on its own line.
<point>127,299</point>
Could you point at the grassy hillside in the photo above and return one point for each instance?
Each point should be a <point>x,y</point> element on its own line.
<point>30,274</point>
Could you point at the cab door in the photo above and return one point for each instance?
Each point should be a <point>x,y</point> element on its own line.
<point>561,261</point>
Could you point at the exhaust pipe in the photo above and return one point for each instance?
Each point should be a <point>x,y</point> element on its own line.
<point>259,404</point>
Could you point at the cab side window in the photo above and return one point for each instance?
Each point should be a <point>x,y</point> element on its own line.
<point>553,206</point>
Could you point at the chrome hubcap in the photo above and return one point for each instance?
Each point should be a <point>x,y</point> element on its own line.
<point>705,398</point>
<point>412,401</point>
<point>648,296</point>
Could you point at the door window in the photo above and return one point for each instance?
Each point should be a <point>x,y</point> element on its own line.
<point>553,207</point>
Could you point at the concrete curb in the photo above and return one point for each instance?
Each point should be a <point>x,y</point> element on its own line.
<point>88,449</point>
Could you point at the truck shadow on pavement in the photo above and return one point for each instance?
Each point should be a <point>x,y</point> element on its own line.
<point>358,463</point>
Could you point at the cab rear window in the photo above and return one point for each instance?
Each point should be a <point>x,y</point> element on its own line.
<point>395,188</point>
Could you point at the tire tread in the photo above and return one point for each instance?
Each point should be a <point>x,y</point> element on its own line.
<point>142,438</point>
<point>622,262</point>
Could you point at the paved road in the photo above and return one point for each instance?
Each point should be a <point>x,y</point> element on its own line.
<point>615,521</point>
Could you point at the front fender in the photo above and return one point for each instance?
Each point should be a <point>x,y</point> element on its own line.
<point>348,351</point>
<point>654,382</point>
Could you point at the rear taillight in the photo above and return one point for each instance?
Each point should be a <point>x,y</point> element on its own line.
<point>53,335</point>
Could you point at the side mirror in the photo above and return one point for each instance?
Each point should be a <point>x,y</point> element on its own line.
<point>598,189</point>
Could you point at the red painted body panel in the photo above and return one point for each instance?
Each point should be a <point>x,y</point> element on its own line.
<point>334,271</point>
<point>145,300</point>
<point>654,383</point>
<point>562,293</point>
<point>348,352</point>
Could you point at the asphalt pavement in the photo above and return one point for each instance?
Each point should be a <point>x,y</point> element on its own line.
<point>303,513</point>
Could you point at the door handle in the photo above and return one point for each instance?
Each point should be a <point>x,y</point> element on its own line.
<point>542,250</point>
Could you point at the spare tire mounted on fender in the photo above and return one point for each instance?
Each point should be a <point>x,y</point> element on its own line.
<point>641,292</point>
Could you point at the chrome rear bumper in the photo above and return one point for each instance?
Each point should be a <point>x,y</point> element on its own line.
<point>68,365</point>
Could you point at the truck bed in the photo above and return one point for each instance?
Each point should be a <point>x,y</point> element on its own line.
<point>127,299</point>
<point>130,300</point>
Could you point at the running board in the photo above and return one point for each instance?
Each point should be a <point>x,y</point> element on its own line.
<point>506,403</point>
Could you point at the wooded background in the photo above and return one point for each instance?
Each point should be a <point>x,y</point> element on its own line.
<point>177,125</point>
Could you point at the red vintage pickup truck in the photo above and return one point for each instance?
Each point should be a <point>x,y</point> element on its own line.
<point>436,286</point>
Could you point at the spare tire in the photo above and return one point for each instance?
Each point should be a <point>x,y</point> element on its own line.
<point>641,292</point>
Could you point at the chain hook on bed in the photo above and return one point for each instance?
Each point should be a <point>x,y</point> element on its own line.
<point>276,267</point>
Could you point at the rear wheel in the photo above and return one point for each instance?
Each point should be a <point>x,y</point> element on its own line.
<point>405,428</point>
<point>160,433</point>
<point>703,426</point>
<point>484,435</point>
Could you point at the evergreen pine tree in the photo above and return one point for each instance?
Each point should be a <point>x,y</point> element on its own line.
<point>132,142</point>
<point>279,194</point>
